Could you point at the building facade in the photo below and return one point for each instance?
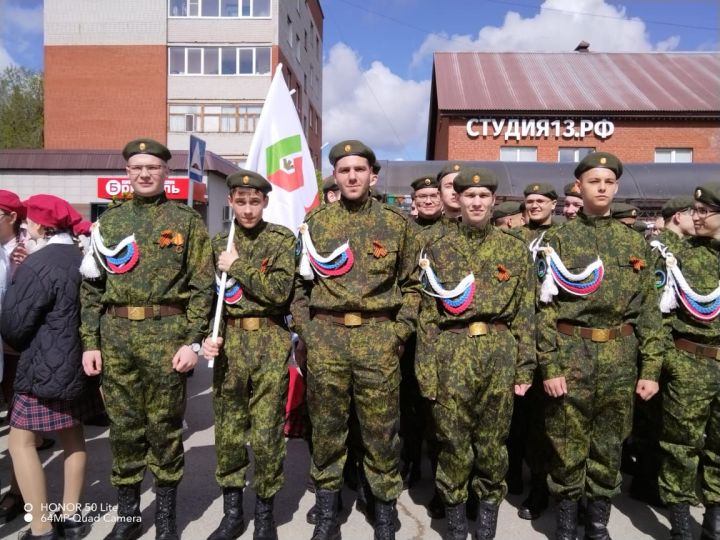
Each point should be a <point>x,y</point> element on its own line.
<point>167,68</point>
<point>557,107</point>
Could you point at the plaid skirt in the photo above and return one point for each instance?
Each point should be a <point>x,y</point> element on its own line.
<point>37,414</point>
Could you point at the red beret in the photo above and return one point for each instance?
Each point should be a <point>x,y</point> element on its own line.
<point>12,203</point>
<point>82,228</point>
<point>52,211</point>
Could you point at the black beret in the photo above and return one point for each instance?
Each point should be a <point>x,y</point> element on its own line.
<point>507,208</point>
<point>468,178</point>
<point>603,160</point>
<point>708,193</point>
<point>146,146</point>
<point>351,148</point>
<point>676,204</point>
<point>623,210</point>
<point>450,168</point>
<point>248,179</point>
<point>540,188</point>
<point>376,168</point>
<point>424,182</point>
<point>571,190</point>
<point>639,226</point>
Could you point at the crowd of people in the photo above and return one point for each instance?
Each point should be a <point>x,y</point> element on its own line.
<point>490,334</point>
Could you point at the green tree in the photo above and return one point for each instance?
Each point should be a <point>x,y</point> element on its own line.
<point>21,108</point>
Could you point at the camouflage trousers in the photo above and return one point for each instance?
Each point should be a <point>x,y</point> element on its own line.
<point>587,426</point>
<point>472,414</point>
<point>250,383</point>
<point>691,429</point>
<point>363,362</point>
<point>144,397</point>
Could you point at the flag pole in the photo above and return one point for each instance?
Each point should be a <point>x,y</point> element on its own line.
<point>221,293</point>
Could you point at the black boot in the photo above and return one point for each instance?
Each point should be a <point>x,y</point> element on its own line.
<point>327,526</point>
<point>165,500</point>
<point>457,525</point>
<point>711,523</point>
<point>265,528</point>
<point>486,522</point>
<point>311,516</point>
<point>129,526</point>
<point>232,524</point>
<point>598,515</point>
<point>680,522</point>
<point>71,527</point>
<point>536,502</point>
<point>385,516</point>
<point>567,520</point>
<point>436,508</point>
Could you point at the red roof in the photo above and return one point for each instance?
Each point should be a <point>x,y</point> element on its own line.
<point>578,82</point>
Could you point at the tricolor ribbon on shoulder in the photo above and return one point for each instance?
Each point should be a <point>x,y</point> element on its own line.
<point>118,260</point>
<point>233,290</point>
<point>339,262</point>
<point>701,306</point>
<point>557,275</point>
<point>454,301</point>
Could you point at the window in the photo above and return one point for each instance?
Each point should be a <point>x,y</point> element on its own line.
<point>573,155</point>
<point>297,47</point>
<point>219,60</point>
<point>290,31</point>
<point>214,118</point>
<point>518,153</point>
<point>219,8</point>
<point>673,155</point>
<point>305,39</point>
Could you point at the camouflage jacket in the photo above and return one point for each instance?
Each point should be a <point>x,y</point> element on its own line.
<point>626,294</point>
<point>381,239</point>
<point>530,231</point>
<point>699,260</point>
<point>674,242</point>
<point>501,265</point>
<point>175,274</point>
<point>265,269</point>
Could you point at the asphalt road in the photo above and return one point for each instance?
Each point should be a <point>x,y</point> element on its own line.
<point>200,500</point>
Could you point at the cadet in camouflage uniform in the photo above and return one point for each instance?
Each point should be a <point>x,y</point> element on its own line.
<point>508,215</point>
<point>261,265</point>
<point>540,202</point>
<point>573,201</point>
<point>691,410</point>
<point>587,348</point>
<point>483,336</point>
<point>352,314</point>
<point>448,196</point>
<point>644,445</point>
<point>144,315</point>
<point>625,213</point>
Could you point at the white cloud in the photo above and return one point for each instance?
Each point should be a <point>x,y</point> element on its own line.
<point>558,27</point>
<point>5,59</point>
<point>375,105</point>
<point>24,19</point>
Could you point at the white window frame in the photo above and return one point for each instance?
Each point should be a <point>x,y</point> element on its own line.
<point>203,48</point>
<point>198,4</point>
<point>673,154</point>
<point>576,154</point>
<point>518,150</point>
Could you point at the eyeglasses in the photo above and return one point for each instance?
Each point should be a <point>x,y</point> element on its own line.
<point>702,213</point>
<point>153,170</point>
<point>429,197</point>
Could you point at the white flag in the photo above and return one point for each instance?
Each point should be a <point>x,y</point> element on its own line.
<point>281,154</point>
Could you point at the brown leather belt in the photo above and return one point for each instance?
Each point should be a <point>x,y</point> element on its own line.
<point>140,313</point>
<point>598,335</point>
<point>696,348</point>
<point>255,323</point>
<point>476,328</point>
<point>352,318</point>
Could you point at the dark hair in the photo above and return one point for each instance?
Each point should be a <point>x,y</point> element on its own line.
<point>235,189</point>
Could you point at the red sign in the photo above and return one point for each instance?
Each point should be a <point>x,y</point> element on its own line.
<point>175,188</point>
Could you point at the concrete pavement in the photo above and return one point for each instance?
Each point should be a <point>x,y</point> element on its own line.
<point>200,500</point>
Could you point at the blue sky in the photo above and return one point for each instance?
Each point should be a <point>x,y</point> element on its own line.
<point>378,53</point>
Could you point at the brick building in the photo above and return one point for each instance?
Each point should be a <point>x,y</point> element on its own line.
<point>165,68</point>
<point>557,107</point>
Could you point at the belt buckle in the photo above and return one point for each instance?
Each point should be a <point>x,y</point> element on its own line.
<point>717,353</point>
<point>600,335</point>
<point>136,313</point>
<point>477,328</point>
<point>352,318</point>
<point>251,323</point>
